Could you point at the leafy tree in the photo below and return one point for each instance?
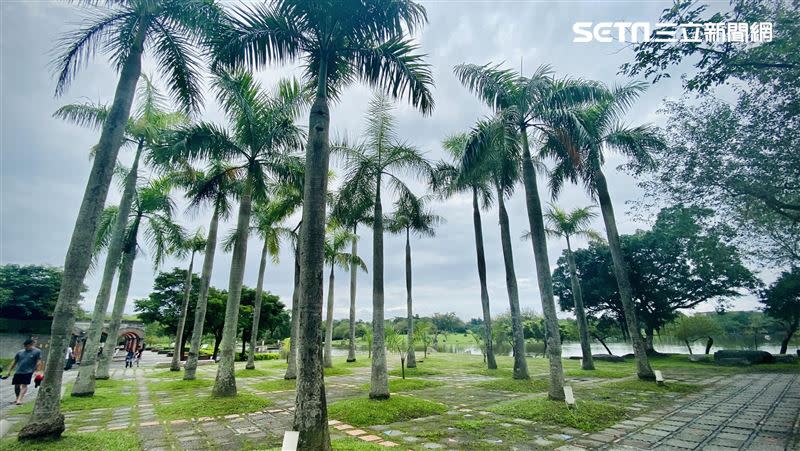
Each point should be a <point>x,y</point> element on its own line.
<point>380,159</point>
<point>782,302</point>
<point>422,335</point>
<point>339,42</point>
<point>604,327</point>
<point>335,256</point>
<point>274,317</point>
<point>262,138</point>
<point>29,291</point>
<point>692,328</point>
<point>191,245</point>
<point>396,342</point>
<point>447,323</point>
<point>149,120</point>
<point>411,215</point>
<point>170,31</point>
<point>163,304</point>
<point>573,224</point>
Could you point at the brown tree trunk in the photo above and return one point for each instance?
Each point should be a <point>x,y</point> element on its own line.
<point>291,367</point>
<point>789,333</point>
<point>491,362</point>
<point>187,293</point>
<point>47,420</point>
<point>190,368</point>
<point>518,338</point>
<point>311,411</point>
<point>327,358</point>
<point>587,363</point>
<point>411,359</point>
<point>709,344</point>
<point>262,268</point>
<point>644,370</point>
<point>555,389</point>
<point>379,378</point>
<point>351,351</point>
<point>225,382</point>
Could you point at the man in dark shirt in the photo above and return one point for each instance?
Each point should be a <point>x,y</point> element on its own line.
<point>26,362</point>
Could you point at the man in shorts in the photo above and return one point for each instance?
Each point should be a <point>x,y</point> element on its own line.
<point>26,362</point>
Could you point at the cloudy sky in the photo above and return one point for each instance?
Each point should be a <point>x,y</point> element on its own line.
<point>45,161</point>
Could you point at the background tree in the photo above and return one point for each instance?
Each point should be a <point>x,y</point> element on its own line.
<point>335,243</point>
<point>692,328</point>
<point>573,224</point>
<point>170,30</point>
<point>411,215</point>
<point>381,158</point>
<point>367,42</point>
<point>396,342</point>
<point>163,304</point>
<point>29,291</point>
<point>273,316</point>
<point>191,245</point>
<point>782,302</point>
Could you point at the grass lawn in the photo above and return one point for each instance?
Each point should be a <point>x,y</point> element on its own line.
<point>516,385</point>
<point>253,373</point>
<point>401,385</point>
<point>589,416</point>
<point>107,394</point>
<point>206,406</point>
<point>337,371</point>
<point>275,385</point>
<point>180,385</point>
<point>122,440</point>
<point>415,372</point>
<point>166,374</point>
<point>367,412</point>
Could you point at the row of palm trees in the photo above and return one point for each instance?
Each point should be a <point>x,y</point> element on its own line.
<point>254,160</point>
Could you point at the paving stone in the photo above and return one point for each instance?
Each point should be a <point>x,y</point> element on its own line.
<point>356,432</point>
<point>388,443</point>
<point>368,438</point>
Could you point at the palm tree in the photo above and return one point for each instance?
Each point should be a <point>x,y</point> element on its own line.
<point>170,30</point>
<point>217,185</point>
<point>570,224</point>
<point>266,223</point>
<point>151,214</point>
<point>579,149</point>
<point>350,210</point>
<point>192,245</point>
<point>339,42</point>
<point>525,101</point>
<point>263,134</point>
<point>334,255</point>
<point>381,157</point>
<point>150,119</point>
<point>411,215</point>
<point>495,145</point>
<point>450,179</point>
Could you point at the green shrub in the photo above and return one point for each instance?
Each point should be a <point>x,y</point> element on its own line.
<point>241,357</point>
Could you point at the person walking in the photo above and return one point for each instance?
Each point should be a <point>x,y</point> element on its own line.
<point>129,358</point>
<point>69,359</point>
<point>26,362</point>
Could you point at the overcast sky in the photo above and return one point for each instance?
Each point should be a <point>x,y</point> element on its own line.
<point>45,161</point>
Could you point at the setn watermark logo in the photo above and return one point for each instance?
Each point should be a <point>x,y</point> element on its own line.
<point>715,32</point>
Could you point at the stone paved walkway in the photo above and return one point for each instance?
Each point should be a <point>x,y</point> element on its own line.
<point>745,412</point>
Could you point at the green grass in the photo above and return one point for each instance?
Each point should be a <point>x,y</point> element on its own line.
<point>354,444</point>
<point>636,385</point>
<point>516,385</point>
<point>167,374</point>
<point>206,406</point>
<point>275,385</point>
<point>180,385</point>
<point>401,385</point>
<point>589,416</point>
<point>253,373</point>
<point>418,371</point>
<point>107,394</point>
<point>122,440</point>
<point>337,371</point>
<point>367,412</point>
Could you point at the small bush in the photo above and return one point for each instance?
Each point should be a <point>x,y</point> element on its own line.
<point>368,412</point>
<point>241,357</point>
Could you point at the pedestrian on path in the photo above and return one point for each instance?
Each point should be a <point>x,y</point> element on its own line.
<point>69,359</point>
<point>26,362</point>
<point>129,359</point>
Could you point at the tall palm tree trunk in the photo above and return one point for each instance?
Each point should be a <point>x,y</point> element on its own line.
<point>262,268</point>
<point>587,363</point>
<point>47,420</point>
<point>643,368</point>
<point>539,241</point>
<point>202,299</point>
<point>291,367</point>
<point>351,351</point>
<point>311,411</point>
<point>225,382</point>
<point>379,377</point>
<point>120,298</point>
<point>518,338</point>
<point>411,360</point>
<point>85,382</point>
<point>487,316</point>
<point>327,359</point>
<point>187,293</point>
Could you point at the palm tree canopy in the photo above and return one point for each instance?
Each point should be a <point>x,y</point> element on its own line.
<point>336,241</point>
<point>173,32</point>
<point>450,178</point>
<point>571,223</point>
<point>191,244</point>
<point>579,147</point>
<point>493,148</point>
<point>411,214</point>
<point>219,184</point>
<point>355,39</point>
<point>380,154</point>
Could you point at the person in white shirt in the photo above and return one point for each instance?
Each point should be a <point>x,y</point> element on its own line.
<point>69,358</point>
